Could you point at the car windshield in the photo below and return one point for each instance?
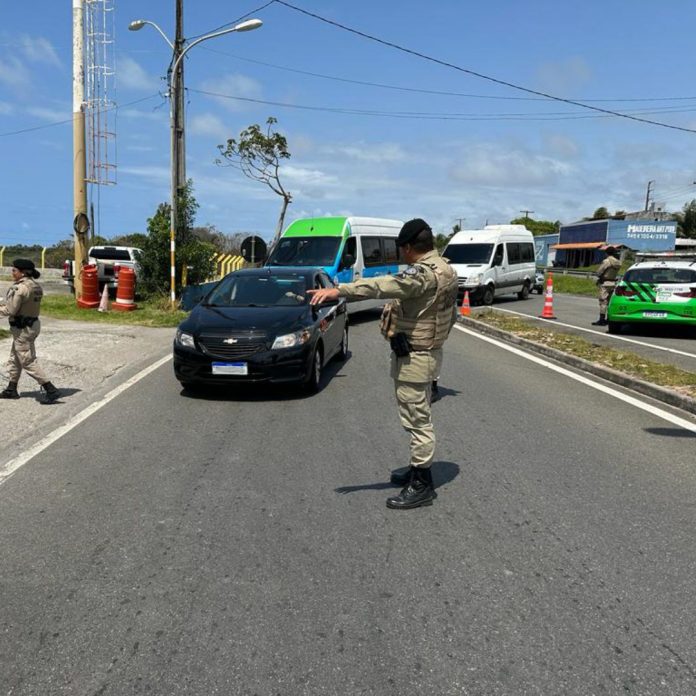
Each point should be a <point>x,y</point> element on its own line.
<point>658,276</point>
<point>259,291</point>
<point>468,253</point>
<point>305,251</point>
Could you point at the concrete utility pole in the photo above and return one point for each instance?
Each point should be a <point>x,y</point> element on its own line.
<point>79,155</point>
<point>179,113</point>
<point>526,213</point>
<point>647,195</point>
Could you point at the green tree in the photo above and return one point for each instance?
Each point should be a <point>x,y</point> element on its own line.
<point>258,155</point>
<point>441,240</point>
<point>135,239</point>
<point>600,214</point>
<point>686,220</point>
<point>537,227</point>
<point>154,259</point>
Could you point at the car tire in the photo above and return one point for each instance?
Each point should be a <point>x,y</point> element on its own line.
<point>524,293</point>
<point>613,327</point>
<point>487,296</point>
<point>342,354</point>
<point>313,381</point>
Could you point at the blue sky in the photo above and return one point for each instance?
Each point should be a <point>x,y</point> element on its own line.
<point>441,168</point>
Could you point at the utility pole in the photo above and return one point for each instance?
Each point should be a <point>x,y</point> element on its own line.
<point>180,161</point>
<point>80,221</point>
<point>647,195</point>
<point>526,213</point>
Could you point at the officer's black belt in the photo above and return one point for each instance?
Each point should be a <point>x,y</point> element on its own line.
<point>22,322</point>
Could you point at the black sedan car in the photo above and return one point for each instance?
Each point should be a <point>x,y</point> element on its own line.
<point>256,325</point>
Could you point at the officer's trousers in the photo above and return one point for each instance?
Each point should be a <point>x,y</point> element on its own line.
<point>605,293</point>
<point>23,354</point>
<point>413,400</point>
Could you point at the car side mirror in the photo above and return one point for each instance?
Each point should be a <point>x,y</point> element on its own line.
<point>348,261</point>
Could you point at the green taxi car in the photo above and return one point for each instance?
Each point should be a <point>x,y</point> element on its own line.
<point>655,291</point>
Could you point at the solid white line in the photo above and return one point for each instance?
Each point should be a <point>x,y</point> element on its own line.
<point>665,415</point>
<point>13,465</point>
<point>602,333</point>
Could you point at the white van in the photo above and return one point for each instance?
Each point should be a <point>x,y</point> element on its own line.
<point>347,248</point>
<point>497,260</point>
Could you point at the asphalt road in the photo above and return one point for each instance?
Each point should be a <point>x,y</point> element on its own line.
<point>575,314</point>
<point>239,543</point>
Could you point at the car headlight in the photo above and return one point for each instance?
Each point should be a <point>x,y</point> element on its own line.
<point>474,279</point>
<point>291,340</point>
<point>185,339</point>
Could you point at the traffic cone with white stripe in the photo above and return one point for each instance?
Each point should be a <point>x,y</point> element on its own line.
<point>104,302</point>
<point>465,310</point>
<point>547,312</point>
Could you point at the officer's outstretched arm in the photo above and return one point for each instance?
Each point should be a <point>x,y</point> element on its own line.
<point>413,282</point>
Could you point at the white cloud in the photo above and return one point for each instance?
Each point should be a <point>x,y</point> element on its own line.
<point>38,50</point>
<point>48,114</point>
<point>14,73</point>
<point>5,108</point>
<point>209,125</point>
<point>131,75</point>
<point>368,152</point>
<point>153,173</point>
<point>562,146</point>
<point>234,85</point>
<point>561,77</point>
<point>141,115</point>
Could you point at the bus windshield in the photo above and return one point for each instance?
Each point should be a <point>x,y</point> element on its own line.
<point>305,251</point>
<point>468,253</point>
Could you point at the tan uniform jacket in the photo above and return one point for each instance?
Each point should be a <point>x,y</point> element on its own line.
<point>23,299</point>
<point>415,287</point>
<point>608,270</point>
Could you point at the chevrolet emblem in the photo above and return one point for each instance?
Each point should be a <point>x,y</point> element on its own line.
<point>230,341</point>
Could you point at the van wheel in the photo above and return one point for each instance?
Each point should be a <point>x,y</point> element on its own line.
<point>487,297</point>
<point>524,293</point>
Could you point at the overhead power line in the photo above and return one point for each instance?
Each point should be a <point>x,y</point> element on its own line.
<point>482,76</point>
<point>70,120</point>
<point>436,92</point>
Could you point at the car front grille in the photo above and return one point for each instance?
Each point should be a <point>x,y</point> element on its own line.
<point>247,344</point>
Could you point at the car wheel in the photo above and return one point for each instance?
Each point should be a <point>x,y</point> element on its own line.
<point>313,381</point>
<point>343,350</point>
<point>487,297</point>
<point>613,327</point>
<point>524,293</point>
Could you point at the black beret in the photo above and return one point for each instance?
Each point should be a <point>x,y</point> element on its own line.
<point>26,266</point>
<point>411,230</point>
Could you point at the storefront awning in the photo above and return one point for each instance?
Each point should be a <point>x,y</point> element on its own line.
<point>579,245</point>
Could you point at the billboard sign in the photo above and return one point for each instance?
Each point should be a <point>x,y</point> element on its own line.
<point>643,235</point>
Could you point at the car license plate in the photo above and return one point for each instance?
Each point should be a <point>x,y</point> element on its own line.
<point>235,368</point>
<point>663,296</point>
<point>655,315</point>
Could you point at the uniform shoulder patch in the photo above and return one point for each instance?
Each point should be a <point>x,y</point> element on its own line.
<point>411,270</point>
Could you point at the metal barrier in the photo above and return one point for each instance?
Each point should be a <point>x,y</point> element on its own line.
<point>226,263</point>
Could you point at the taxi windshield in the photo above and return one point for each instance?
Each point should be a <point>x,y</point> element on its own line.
<point>305,251</point>
<point>660,276</point>
<point>259,291</point>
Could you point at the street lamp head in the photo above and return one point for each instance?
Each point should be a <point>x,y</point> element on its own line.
<point>136,25</point>
<point>249,25</point>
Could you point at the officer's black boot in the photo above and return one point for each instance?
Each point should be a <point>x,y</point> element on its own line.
<point>434,392</point>
<point>602,321</point>
<point>401,477</point>
<point>51,393</point>
<point>10,392</point>
<point>419,491</point>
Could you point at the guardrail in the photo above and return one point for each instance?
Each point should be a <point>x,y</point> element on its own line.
<point>226,263</point>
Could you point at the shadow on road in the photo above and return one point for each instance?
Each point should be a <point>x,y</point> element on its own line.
<point>443,472</point>
<point>262,391</point>
<point>671,432</point>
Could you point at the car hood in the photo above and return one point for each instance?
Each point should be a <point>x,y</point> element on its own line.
<point>272,320</point>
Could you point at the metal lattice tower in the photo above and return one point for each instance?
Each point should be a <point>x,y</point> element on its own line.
<point>100,112</point>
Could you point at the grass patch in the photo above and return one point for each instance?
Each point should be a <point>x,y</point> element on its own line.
<point>574,285</point>
<point>154,312</point>
<point>621,360</point>
<point>4,333</point>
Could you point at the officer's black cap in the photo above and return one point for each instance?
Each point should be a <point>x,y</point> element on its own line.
<point>26,266</point>
<point>411,230</point>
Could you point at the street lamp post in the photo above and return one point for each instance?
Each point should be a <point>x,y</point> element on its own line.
<point>248,25</point>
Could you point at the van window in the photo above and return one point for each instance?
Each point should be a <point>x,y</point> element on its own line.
<point>391,253</point>
<point>498,256</point>
<point>305,251</point>
<point>527,252</point>
<point>513,250</point>
<point>468,253</point>
<point>349,249</point>
<point>372,251</point>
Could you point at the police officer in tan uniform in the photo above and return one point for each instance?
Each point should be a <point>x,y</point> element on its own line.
<point>606,282</point>
<point>22,306</point>
<point>416,323</point>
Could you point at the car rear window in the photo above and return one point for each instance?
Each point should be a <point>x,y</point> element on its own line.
<point>658,276</point>
<point>110,254</point>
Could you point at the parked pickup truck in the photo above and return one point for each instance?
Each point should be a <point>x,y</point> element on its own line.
<point>108,260</point>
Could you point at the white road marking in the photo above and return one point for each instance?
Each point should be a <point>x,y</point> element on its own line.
<point>13,465</point>
<point>660,413</point>
<point>602,333</point>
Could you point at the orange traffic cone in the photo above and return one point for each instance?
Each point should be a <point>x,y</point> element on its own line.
<point>104,302</point>
<point>465,310</point>
<point>547,312</point>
